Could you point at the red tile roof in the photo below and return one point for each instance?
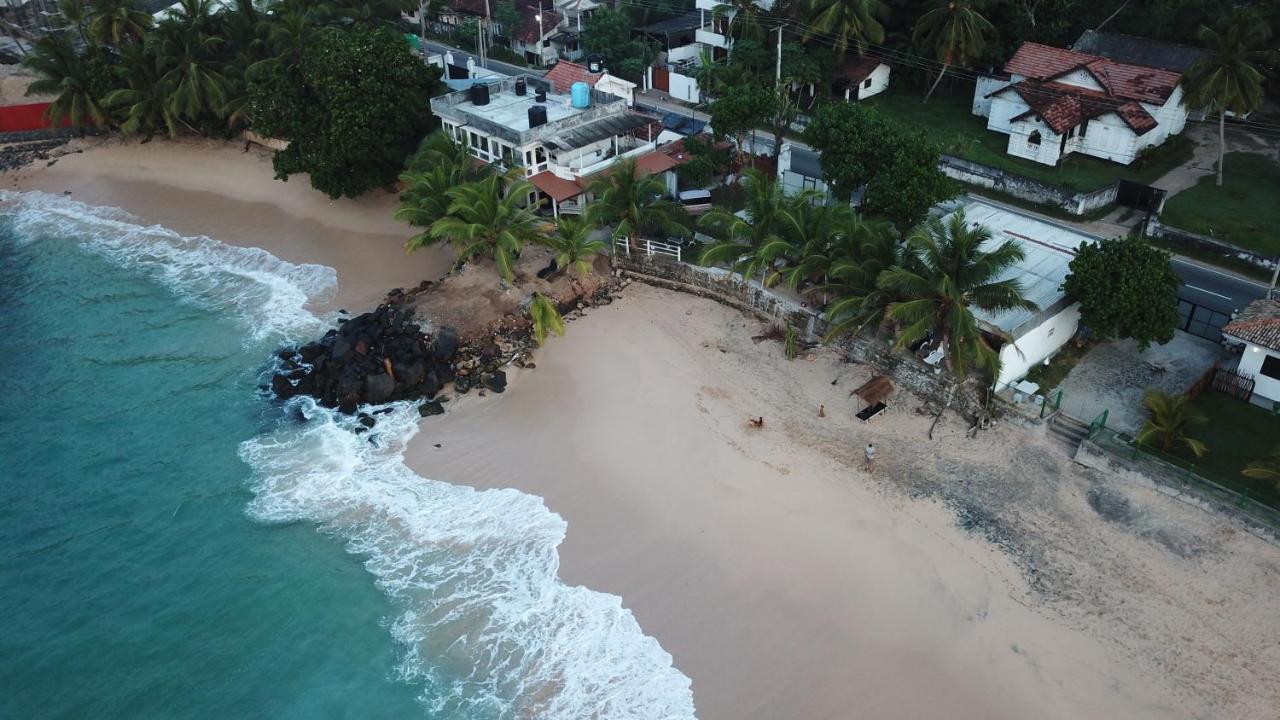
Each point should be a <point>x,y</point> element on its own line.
<point>1259,323</point>
<point>565,74</point>
<point>1063,107</point>
<point>555,186</point>
<point>663,159</point>
<point>1120,80</point>
<point>528,32</point>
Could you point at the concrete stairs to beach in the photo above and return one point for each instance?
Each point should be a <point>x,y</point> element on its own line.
<point>1068,431</point>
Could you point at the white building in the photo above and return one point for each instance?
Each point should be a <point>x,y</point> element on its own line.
<point>1054,102</point>
<point>566,73</point>
<point>1048,251</point>
<point>560,145</point>
<point>860,78</point>
<point>1257,329</point>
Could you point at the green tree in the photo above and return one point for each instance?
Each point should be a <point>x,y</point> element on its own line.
<point>189,45</point>
<point>608,33</point>
<point>633,203</point>
<point>117,22</point>
<point>771,228</point>
<point>437,166</point>
<point>853,23</point>
<point>489,216</point>
<point>66,74</point>
<point>1229,79</point>
<point>1126,289</point>
<point>1169,420</point>
<point>850,274</point>
<point>142,106</point>
<point>948,277</point>
<point>76,14</point>
<point>573,245</point>
<point>706,161</point>
<point>744,18</point>
<point>955,33</point>
<point>898,167</point>
<point>546,318</point>
<point>374,92</point>
<point>741,109</point>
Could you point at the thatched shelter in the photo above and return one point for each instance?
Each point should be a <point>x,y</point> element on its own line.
<point>875,391</point>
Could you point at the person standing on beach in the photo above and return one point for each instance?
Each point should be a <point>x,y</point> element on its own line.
<point>870,464</point>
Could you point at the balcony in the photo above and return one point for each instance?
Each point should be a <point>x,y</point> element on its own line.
<point>708,37</point>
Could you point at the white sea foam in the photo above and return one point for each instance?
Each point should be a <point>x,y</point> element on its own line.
<point>485,620</point>
<point>268,295</point>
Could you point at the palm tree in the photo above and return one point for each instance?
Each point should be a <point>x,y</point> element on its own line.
<point>946,276</point>
<point>1170,418</point>
<point>486,217</point>
<point>633,203</point>
<point>850,22</point>
<point>755,239</point>
<point>142,106</point>
<point>955,33</point>
<point>573,245</point>
<point>1228,79</point>
<point>76,13</point>
<point>438,165</point>
<point>851,270</point>
<point>546,318</point>
<point>116,22</point>
<point>189,46</point>
<point>744,18</point>
<point>64,73</point>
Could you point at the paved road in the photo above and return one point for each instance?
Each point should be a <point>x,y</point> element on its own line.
<point>497,66</point>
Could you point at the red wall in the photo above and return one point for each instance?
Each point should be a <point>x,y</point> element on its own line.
<point>15,118</point>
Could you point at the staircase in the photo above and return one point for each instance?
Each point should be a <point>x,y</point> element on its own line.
<point>1068,431</point>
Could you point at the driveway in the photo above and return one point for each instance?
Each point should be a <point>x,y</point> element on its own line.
<point>1114,375</point>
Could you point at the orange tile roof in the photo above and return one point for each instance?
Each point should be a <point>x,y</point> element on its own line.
<point>565,74</point>
<point>1259,323</point>
<point>557,187</point>
<point>1120,80</point>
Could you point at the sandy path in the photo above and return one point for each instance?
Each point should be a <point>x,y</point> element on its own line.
<point>786,584</point>
<point>212,188</point>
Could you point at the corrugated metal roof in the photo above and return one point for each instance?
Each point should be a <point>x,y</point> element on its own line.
<point>1048,251</point>
<point>596,131</point>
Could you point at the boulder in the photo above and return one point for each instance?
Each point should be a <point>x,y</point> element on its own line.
<point>283,387</point>
<point>378,388</point>
<point>431,407</point>
<point>496,382</point>
<point>445,346</point>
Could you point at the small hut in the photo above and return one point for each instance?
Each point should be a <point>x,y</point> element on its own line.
<point>874,393</point>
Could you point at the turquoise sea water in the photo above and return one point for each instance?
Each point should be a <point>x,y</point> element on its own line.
<point>174,545</point>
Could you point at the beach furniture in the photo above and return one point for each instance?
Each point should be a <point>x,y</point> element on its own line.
<point>871,412</point>
<point>874,393</point>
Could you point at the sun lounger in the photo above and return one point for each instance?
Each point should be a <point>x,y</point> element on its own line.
<point>871,412</point>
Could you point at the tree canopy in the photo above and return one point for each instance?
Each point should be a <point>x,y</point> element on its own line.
<point>899,168</point>
<point>373,91</point>
<point>608,33</point>
<point>1126,289</point>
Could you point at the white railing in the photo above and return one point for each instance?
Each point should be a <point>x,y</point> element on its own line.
<point>650,248</point>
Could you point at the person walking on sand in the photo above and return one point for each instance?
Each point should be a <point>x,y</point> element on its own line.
<point>870,464</point>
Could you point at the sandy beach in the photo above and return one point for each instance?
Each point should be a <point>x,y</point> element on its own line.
<point>966,578</point>
<point>215,188</point>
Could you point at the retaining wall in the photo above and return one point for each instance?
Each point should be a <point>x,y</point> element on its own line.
<point>1192,241</point>
<point>1025,188</point>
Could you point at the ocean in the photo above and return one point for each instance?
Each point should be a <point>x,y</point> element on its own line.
<point>173,543</point>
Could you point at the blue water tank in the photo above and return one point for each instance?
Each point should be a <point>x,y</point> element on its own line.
<point>581,93</point>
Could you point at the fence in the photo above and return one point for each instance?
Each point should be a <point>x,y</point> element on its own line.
<point>1025,188</point>
<point>650,248</point>
<point>1178,476</point>
<point>1098,425</point>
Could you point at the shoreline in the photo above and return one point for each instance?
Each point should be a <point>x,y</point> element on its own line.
<point>784,582</point>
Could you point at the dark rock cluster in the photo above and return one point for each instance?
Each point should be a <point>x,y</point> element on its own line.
<point>373,358</point>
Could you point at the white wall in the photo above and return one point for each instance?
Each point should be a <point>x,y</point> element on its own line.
<point>984,87</point>
<point>794,182</point>
<point>879,81</point>
<point>1048,152</point>
<point>1251,364</point>
<point>617,87</point>
<point>1040,343</point>
<point>684,52</point>
<point>1080,78</point>
<point>682,87</point>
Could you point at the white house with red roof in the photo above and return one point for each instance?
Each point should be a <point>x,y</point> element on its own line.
<point>1256,330</point>
<point>1054,102</point>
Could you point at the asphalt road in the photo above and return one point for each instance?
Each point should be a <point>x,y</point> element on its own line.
<point>496,66</point>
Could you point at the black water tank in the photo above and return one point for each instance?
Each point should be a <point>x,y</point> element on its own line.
<point>540,96</point>
<point>521,86</point>
<point>479,94</point>
<point>595,63</point>
<point>537,115</point>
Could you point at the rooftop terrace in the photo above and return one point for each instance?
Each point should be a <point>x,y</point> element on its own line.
<point>507,114</point>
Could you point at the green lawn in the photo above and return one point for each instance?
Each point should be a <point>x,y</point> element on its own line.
<point>1245,211</point>
<point>1236,433</point>
<point>949,121</point>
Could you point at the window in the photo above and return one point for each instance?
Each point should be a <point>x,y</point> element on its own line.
<point>808,183</point>
<point>1271,367</point>
<point>1084,128</point>
<point>866,83</point>
<point>1034,139</point>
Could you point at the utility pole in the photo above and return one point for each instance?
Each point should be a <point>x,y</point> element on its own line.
<point>777,71</point>
<point>484,30</point>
